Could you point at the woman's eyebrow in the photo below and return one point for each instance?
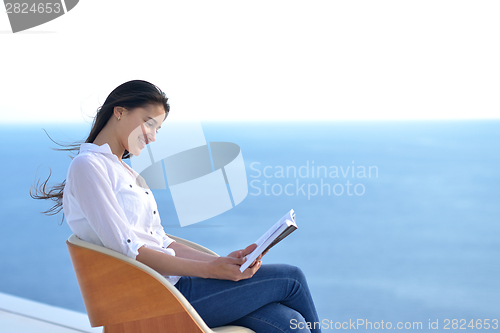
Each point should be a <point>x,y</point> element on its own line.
<point>156,123</point>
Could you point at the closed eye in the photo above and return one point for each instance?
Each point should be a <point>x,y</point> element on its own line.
<point>150,124</point>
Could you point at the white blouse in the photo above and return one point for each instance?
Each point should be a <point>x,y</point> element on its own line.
<point>104,204</point>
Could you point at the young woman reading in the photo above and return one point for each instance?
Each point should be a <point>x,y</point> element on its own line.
<point>106,202</point>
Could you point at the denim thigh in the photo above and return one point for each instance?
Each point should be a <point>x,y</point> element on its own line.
<point>220,302</point>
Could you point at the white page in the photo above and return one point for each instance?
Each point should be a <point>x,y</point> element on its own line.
<point>268,237</point>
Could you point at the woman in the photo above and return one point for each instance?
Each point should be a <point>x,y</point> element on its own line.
<point>107,203</point>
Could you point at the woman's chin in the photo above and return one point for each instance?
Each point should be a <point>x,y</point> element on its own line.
<point>136,152</point>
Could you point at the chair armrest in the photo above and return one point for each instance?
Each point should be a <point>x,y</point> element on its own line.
<point>193,245</point>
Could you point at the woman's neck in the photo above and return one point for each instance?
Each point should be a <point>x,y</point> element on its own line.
<point>114,144</point>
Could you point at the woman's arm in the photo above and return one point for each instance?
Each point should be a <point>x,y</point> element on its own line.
<point>187,252</point>
<point>224,268</point>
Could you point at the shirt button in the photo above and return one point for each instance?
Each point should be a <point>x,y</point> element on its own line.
<point>154,211</point>
<point>128,240</point>
<point>151,232</point>
<point>147,192</point>
<point>130,186</point>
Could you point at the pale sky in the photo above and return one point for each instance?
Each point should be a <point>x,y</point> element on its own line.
<point>260,60</point>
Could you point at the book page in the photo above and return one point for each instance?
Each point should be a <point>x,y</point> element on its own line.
<point>276,233</point>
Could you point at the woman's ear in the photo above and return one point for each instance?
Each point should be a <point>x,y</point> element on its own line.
<point>118,111</point>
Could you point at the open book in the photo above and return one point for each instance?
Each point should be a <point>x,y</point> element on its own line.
<point>273,236</point>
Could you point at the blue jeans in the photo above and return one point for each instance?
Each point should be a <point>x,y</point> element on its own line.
<point>275,299</point>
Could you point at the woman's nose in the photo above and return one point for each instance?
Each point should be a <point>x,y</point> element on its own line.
<point>152,136</point>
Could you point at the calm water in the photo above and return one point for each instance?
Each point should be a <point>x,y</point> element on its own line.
<point>412,241</point>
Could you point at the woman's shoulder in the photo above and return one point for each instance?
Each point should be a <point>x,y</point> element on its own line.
<point>88,157</point>
<point>88,162</point>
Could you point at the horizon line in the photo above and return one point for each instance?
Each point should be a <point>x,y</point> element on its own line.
<point>75,122</point>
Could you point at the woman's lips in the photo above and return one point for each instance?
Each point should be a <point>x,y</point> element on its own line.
<point>143,143</point>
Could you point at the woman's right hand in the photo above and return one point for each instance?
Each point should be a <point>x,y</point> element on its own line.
<point>228,268</point>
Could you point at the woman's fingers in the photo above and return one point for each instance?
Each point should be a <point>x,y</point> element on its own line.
<point>241,253</point>
<point>254,263</point>
<point>235,261</point>
<point>236,254</point>
<point>228,268</point>
<point>249,249</point>
<point>251,270</point>
<point>259,258</point>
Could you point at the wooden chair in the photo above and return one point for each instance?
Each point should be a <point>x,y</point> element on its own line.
<point>126,296</point>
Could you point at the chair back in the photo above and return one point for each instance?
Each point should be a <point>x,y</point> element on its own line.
<point>118,289</point>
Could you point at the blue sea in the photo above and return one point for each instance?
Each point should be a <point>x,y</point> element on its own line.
<point>398,220</point>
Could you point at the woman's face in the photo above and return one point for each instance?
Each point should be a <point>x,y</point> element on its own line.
<point>139,126</point>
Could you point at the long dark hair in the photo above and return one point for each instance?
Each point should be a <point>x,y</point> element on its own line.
<point>131,94</point>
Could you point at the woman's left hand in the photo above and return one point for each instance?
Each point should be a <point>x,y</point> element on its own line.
<point>249,249</point>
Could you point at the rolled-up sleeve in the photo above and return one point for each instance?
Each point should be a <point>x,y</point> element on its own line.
<point>90,186</point>
<point>167,240</point>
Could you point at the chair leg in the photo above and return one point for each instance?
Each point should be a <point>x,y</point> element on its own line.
<point>177,323</point>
